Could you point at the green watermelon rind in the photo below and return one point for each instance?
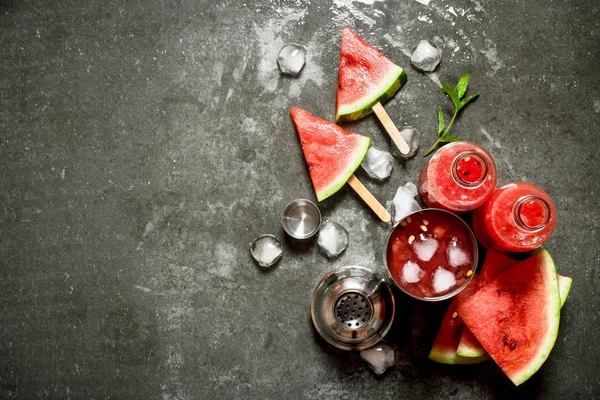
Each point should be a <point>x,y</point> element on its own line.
<point>564,287</point>
<point>450,357</point>
<point>342,177</point>
<point>553,316</point>
<point>467,351</point>
<point>385,90</point>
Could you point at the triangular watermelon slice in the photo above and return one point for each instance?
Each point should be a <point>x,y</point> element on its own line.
<point>495,263</point>
<point>331,153</point>
<point>365,77</point>
<point>444,346</point>
<point>516,316</point>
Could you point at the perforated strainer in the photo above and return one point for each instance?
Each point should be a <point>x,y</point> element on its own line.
<point>352,308</point>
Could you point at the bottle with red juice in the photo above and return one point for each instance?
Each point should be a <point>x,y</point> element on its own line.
<point>459,177</point>
<point>519,217</point>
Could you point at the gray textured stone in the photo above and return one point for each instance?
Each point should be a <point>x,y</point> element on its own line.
<point>145,145</point>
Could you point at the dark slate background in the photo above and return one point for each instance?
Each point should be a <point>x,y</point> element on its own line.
<point>145,144</point>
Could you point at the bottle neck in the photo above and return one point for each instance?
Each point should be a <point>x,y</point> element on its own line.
<point>469,169</point>
<point>531,213</point>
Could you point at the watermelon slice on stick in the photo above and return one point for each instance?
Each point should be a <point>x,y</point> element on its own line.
<point>332,155</point>
<point>516,316</point>
<point>367,79</point>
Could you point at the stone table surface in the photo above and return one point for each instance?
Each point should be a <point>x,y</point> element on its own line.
<point>145,144</point>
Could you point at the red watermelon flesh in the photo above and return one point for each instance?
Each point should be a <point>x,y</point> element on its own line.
<point>444,346</point>
<point>516,316</point>
<point>365,77</point>
<point>494,264</point>
<point>331,153</point>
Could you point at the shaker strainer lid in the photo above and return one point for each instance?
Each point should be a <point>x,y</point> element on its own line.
<point>352,307</point>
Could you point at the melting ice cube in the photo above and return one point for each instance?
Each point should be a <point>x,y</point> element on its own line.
<point>404,202</point>
<point>378,163</point>
<point>291,59</point>
<point>266,250</point>
<point>426,56</point>
<point>456,255</point>
<point>443,280</point>
<point>413,138</point>
<point>412,272</point>
<point>379,357</point>
<point>412,187</point>
<point>425,248</point>
<point>333,239</point>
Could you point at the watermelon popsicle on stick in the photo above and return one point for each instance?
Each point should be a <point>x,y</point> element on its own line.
<point>332,155</point>
<point>366,79</point>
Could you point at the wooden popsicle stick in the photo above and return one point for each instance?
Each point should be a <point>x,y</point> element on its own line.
<point>391,129</point>
<point>368,198</point>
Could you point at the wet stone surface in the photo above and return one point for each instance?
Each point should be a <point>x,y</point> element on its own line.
<point>144,146</point>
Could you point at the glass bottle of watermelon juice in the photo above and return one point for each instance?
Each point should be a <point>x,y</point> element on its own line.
<point>518,217</point>
<point>459,177</point>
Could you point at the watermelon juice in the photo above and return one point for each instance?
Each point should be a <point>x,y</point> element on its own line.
<point>431,254</point>
<point>518,217</point>
<point>459,177</point>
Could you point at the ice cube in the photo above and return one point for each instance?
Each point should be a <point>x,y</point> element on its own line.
<point>425,248</point>
<point>456,255</point>
<point>291,59</point>
<point>412,187</point>
<point>443,280</point>
<point>426,56</point>
<point>266,250</point>
<point>413,138</point>
<point>379,357</point>
<point>404,202</point>
<point>378,163</point>
<point>412,272</point>
<point>333,239</point>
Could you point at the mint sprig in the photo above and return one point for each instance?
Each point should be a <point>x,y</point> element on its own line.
<point>456,95</point>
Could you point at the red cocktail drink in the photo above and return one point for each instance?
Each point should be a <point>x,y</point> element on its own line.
<point>460,177</point>
<point>431,254</point>
<point>518,217</point>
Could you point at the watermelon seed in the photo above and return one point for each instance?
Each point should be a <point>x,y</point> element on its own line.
<point>505,341</point>
<point>426,222</point>
<point>454,314</point>
<point>423,228</point>
<point>469,273</point>
<point>513,346</point>
<point>411,239</point>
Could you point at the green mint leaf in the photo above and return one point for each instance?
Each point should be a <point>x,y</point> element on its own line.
<point>468,100</point>
<point>451,93</point>
<point>440,121</point>
<point>461,86</point>
<point>449,139</point>
<point>432,148</point>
